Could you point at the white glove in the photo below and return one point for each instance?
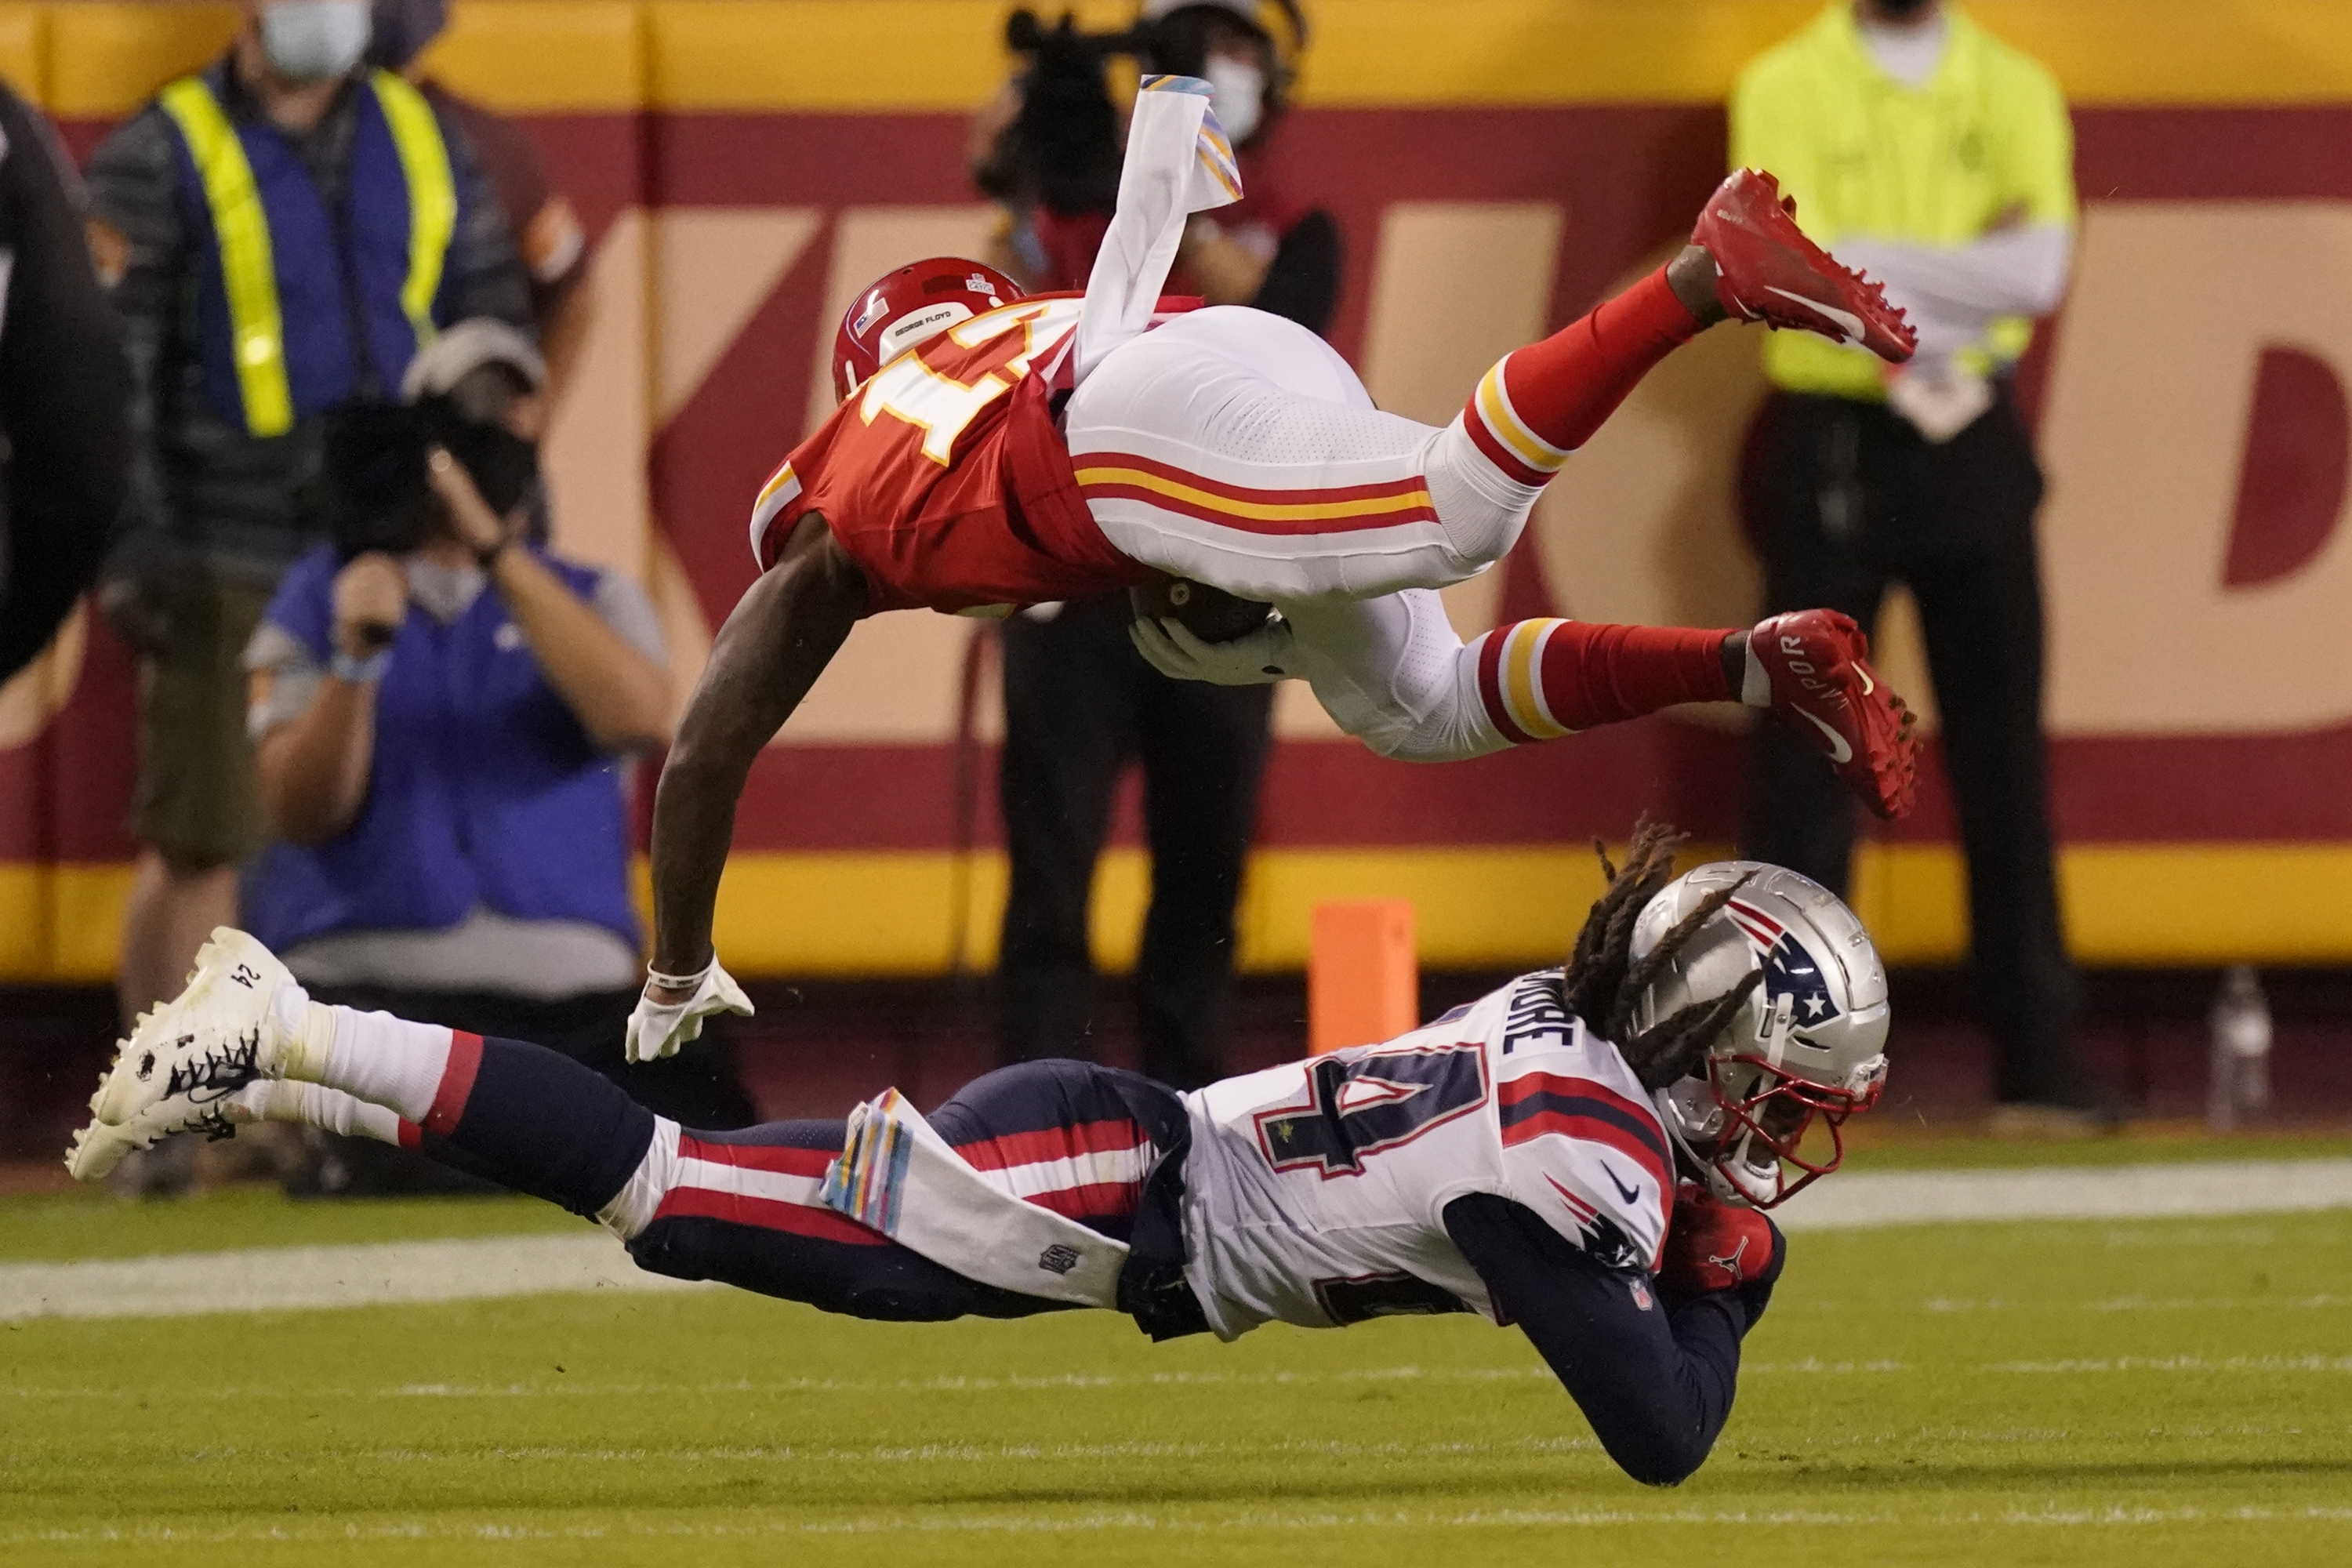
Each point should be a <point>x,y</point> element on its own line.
<point>656,1029</point>
<point>1262,658</point>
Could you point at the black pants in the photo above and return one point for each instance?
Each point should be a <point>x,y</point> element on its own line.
<point>699,1087</point>
<point>1079,704</point>
<point>1849,499</point>
<point>64,397</point>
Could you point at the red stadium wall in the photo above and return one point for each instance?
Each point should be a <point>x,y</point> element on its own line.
<point>743,167</point>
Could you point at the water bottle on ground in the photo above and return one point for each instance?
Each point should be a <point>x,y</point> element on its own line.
<point>2238,1087</point>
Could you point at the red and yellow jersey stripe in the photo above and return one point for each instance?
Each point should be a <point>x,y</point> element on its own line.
<point>782,488</point>
<point>1129,476</point>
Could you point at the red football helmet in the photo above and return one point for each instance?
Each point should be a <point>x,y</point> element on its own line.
<point>911,306</point>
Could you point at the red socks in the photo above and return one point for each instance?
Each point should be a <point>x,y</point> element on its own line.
<point>1541,679</point>
<point>1547,678</point>
<point>1540,402</point>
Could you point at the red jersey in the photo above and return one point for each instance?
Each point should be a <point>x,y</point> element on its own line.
<point>944,477</point>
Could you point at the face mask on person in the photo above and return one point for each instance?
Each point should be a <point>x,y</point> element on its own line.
<point>1236,95</point>
<point>308,41</point>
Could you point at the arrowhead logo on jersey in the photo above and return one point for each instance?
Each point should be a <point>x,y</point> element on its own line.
<point>1788,970</point>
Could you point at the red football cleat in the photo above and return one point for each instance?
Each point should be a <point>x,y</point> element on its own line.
<point>1822,685</point>
<point>1766,270</point>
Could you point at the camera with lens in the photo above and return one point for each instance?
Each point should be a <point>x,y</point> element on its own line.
<point>1062,148</point>
<point>373,470</point>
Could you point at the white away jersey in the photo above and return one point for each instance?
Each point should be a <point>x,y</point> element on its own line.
<point>1315,1191</point>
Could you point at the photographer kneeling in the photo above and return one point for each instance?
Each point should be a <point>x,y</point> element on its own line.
<point>444,712</point>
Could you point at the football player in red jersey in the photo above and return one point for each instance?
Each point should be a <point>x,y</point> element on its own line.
<point>1587,1153</point>
<point>992,451</point>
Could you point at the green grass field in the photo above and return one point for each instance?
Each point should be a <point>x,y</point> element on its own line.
<point>2082,1393</point>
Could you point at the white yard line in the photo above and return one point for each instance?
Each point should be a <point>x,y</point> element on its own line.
<point>395,1273</point>
<point>1201,1524</point>
<point>261,1278</point>
<point>2198,1190</point>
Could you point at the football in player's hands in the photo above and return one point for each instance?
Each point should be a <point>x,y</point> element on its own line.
<point>1713,1246</point>
<point>1210,613</point>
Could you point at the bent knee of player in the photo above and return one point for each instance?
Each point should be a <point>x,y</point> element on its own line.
<point>1440,738</point>
<point>1411,748</point>
<point>1481,510</point>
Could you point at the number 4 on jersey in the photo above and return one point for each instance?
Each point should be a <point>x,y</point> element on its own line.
<point>1363,1100</point>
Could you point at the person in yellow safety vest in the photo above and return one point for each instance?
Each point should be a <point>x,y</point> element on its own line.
<point>278,234</point>
<point>1941,161</point>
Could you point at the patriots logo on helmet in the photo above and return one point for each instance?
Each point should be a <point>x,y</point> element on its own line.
<point>1789,969</point>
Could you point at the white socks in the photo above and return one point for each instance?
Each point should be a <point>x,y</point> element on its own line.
<point>316,1105</point>
<point>384,1060</point>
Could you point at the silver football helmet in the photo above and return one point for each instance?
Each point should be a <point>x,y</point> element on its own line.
<point>1808,1044</point>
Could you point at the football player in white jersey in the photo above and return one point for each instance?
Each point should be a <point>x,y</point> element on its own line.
<point>1586,1153</point>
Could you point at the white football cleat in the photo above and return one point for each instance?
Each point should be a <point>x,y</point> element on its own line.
<point>98,1148</point>
<point>217,1036</point>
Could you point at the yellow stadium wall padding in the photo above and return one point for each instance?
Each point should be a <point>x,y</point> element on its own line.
<point>100,58</point>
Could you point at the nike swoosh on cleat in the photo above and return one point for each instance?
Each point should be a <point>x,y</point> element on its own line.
<point>1840,753</point>
<point>1628,1194</point>
<point>1868,685</point>
<point>1845,321</point>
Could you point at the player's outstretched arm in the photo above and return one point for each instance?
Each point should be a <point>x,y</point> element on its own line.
<point>1654,1378</point>
<point>781,635</point>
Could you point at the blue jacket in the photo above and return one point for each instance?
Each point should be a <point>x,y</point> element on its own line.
<point>352,287</point>
<point>483,787</point>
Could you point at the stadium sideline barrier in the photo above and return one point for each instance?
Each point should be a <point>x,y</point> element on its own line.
<point>743,165</point>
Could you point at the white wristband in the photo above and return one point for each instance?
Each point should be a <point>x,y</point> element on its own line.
<point>682,982</point>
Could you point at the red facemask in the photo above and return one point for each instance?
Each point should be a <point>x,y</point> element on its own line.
<point>1777,1112</point>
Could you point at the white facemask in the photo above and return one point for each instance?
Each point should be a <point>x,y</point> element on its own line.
<point>308,41</point>
<point>1236,95</point>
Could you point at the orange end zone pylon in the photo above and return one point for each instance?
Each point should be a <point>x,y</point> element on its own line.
<point>1363,976</point>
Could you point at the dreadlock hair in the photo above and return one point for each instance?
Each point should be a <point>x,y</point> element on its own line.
<point>1601,984</point>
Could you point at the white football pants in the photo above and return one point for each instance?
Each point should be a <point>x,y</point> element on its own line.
<point>1238,449</point>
